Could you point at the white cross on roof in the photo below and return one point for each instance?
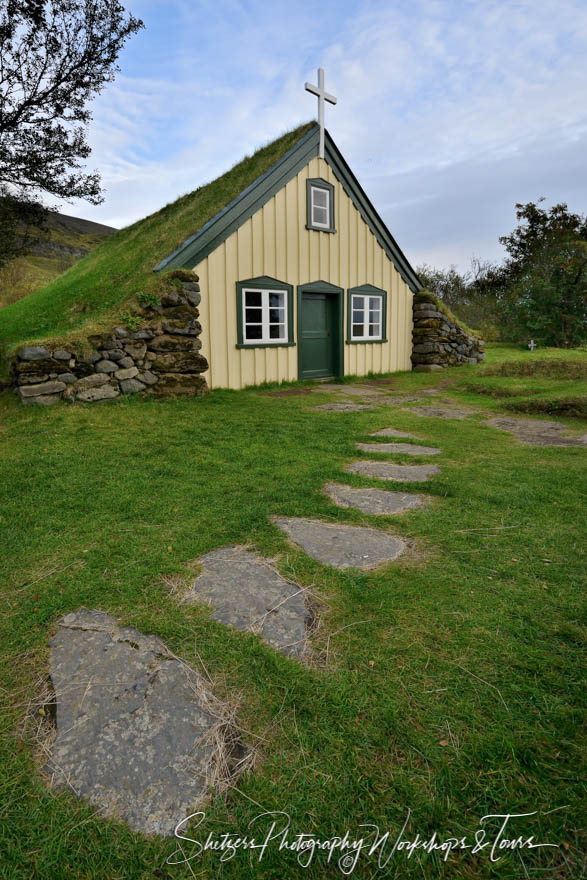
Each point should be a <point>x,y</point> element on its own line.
<point>322,96</point>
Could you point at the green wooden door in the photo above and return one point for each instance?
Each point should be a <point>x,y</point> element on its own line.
<point>317,336</point>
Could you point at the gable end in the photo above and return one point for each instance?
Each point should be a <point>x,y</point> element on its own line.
<point>359,197</point>
<point>251,199</point>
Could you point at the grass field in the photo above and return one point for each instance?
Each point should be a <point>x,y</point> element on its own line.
<point>551,381</point>
<point>452,687</point>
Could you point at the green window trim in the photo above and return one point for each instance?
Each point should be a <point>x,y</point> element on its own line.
<point>264,283</point>
<point>319,183</point>
<point>365,290</point>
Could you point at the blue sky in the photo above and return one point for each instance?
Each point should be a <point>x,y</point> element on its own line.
<point>448,112</point>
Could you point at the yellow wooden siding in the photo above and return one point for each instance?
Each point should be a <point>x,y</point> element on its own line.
<point>275,242</point>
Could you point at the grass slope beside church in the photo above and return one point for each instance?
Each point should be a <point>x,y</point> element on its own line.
<point>91,292</point>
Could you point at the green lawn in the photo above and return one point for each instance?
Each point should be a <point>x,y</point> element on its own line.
<point>550,381</point>
<point>455,693</point>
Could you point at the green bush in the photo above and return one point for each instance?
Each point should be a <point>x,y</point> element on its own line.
<point>148,299</point>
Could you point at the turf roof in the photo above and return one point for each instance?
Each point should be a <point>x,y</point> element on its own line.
<point>123,265</point>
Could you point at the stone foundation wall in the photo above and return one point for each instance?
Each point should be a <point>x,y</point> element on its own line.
<point>161,357</point>
<point>439,341</point>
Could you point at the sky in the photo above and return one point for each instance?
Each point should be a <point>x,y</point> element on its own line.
<point>449,111</point>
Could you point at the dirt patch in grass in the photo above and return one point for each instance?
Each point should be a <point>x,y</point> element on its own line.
<point>288,392</point>
<point>377,382</point>
<point>536,432</point>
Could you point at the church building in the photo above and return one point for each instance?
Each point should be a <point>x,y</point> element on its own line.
<point>300,277</point>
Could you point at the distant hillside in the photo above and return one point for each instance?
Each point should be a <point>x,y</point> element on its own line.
<point>65,241</point>
<point>96,288</point>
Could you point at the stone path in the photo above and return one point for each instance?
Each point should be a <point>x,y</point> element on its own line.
<point>377,502</point>
<point>383,396</point>
<point>398,401</point>
<point>350,390</point>
<point>371,389</point>
<point>344,407</point>
<point>399,473</point>
<point>443,412</point>
<point>139,734</point>
<point>538,432</point>
<point>396,448</point>
<point>248,594</point>
<point>132,721</point>
<point>328,387</point>
<point>391,432</point>
<point>339,545</point>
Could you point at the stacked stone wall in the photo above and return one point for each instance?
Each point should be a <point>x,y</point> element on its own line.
<point>438,340</point>
<point>161,357</point>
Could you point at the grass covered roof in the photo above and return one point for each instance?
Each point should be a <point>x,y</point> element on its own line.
<point>85,296</point>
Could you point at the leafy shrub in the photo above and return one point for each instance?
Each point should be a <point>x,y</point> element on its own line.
<point>149,300</point>
<point>130,321</point>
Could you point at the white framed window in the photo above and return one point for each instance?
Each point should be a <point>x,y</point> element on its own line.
<point>320,207</point>
<point>366,318</point>
<point>264,316</point>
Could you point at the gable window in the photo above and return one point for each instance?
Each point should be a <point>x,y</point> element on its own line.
<point>320,205</point>
<point>367,313</point>
<point>264,313</point>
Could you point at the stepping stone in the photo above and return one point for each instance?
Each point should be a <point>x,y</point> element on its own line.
<point>341,546</point>
<point>384,384</point>
<point>398,401</point>
<point>344,407</point>
<point>249,595</point>
<point>377,502</point>
<point>361,391</point>
<point>538,432</point>
<point>399,473</point>
<point>328,387</point>
<point>443,412</point>
<point>391,432</point>
<point>350,390</point>
<point>404,448</point>
<point>131,723</point>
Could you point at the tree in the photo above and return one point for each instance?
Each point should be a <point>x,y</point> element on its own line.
<point>447,284</point>
<point>55,56</point>
<point>540,231</point>
<point>470,295</point>
<point>543,288</point>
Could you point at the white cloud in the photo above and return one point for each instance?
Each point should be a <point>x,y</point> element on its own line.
<point>448,111</point>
